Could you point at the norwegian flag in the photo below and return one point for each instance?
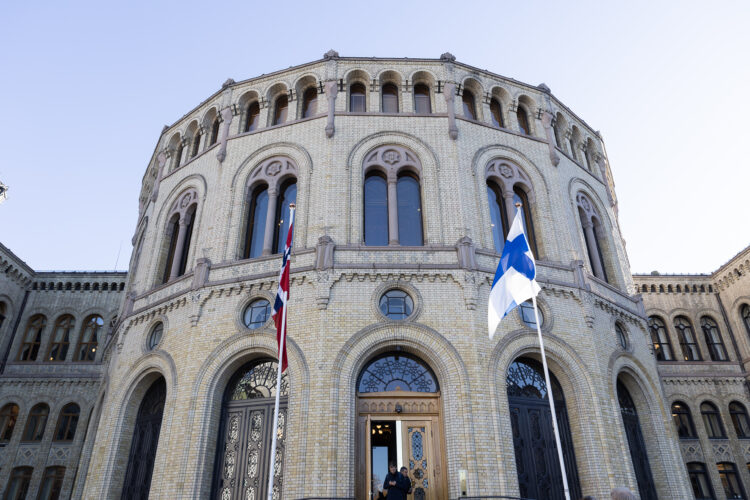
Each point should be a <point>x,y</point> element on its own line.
<point>282,296</point>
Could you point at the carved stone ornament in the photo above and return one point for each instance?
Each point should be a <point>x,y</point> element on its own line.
<point>447,56</point>
<point>692,452</point>
<point>227,83</point>
<point>723,452</point>
<point>272,170</point>
<point>588,208</point>
<point>508,175</point>
<point>506,171</point>
<point>544,88</point>
<point>331,54</point>
<point>392,158</point>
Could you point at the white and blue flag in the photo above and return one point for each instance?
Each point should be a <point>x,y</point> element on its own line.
<point>514,281</point>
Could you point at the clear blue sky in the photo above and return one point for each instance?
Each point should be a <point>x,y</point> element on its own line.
<point>87,86</point>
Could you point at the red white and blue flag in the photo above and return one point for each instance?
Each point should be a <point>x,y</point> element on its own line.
<point>282,296</point>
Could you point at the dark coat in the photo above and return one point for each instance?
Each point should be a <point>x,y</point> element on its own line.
<point>397,492</point>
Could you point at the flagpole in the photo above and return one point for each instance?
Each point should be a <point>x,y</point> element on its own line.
<point>274,429</point>
<point>551,403</point>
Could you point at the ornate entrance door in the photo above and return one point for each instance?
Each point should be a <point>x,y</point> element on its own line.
<point>637,446</point>
<point>418,454</point>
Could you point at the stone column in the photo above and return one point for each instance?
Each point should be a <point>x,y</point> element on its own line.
<point>512,117</point>
<point>588,226</point>
<point>392,210</point>
<point>226,116</point>
<point>450,98</point>
<point>270,219</point>
<point>510,206</point>
<point>177,257</point>
<point>332,90</point>
<point>547,123</point>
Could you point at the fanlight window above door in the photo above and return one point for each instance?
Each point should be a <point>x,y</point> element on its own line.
<point>258,381</point>
<point>526,380</point>
<point>397,372</point>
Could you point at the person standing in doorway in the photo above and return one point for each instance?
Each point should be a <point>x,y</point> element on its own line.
<point>405,473</point>
<point>395,483</point>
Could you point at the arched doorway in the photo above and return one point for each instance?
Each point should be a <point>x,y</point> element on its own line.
<point>145,440</point>
<point>537,463</point>
<point>399,420</point>
<point>244,447</point>
<point>636,444</point>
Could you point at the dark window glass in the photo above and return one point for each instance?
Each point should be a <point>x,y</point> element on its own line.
<point>189,223</point>
<point>60,341</point>
<point>525,379</point>
<point>51,483</point>
<point>470,111</point>
<point>523,121</point>
<point>396,304</point>
<point>390,98</point>
<point>196,144</point>
<point>8,418</point>
<point>214,132</point>
<point>256,380</point>
<point>155,337</point>
<point>498,219</point>
<point>35,423</point>
<point>409,211</point>
<point>730,481</point>
<point>89,340</point>
<point>288,196</point>
<point>357,98</point>
<point>519,196</point>
<point>256,223</point>
<point>253,112</point>
<point>172,230</point>
<point>712,421</point>
<point>3,309</point>
<point>32,338</point>
<point>558,142</point>
<point>622,337</point>
<point>572,145</point>
<point>496,113</point>
<point>713,339</point>
<point>376,211</point>
<point>67,423</point>
<point>281,109</point>
<point>18,486</point>
<point>422,99</point>
<point>526,310</point>
<point>598,243</point>
<point>256,314</point>
<point>739,419</point>
<point>310,103</point>
<point>683,421</point>
<point>177,156</point>
<point>690,349</point>
<point>660,339</point>
<point>397,372</point>
<point>745,313</point>
<point>699,481</point>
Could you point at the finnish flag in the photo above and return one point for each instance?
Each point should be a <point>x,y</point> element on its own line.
<point>514,281</point>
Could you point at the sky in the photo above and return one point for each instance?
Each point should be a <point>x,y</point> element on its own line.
<point>86,87</point>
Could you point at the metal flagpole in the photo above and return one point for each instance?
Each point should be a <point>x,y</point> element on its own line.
<point>272,462</point>
<point>551,403</point>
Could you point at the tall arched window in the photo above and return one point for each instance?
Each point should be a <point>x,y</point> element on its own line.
<point>179,233</point>
<point>310,102</point>
<point>253,113</point>
<point>58,347</point>
<point>523,120</point>
<point>288,196</point>
<point>592,232</point>
<point>422,102</point>
<point>357,98</point>
<point>214,131</point>
<point>177,160</point>
<point>730,480</point>
<point>89,340</point>
<point>713,339</point>
<point>745,313</point>
<point>18,486</point>
<point>683,421</point>
<point>185,249</point>
<point>256,222</point>
<point>498,217</point>
<point>32,338</point>
<point>376,210</point>
<point>196,143</point>
<point>409,211</point>
<point>172,232</point>
<point>67,423</point>
<point>8,418</point>
<point>739,419</point>
<point>389,95</point>
<point>660,339</point>
<point>52,482</point>
<point>519,196</point>
<point>496,112</point>
<point>280,109</point>
<point>688,342</point>
<point>700,482</point>
<point>35,423</point>
<point>712,421</point>
<point>636,443</point>
<point>470,110</point>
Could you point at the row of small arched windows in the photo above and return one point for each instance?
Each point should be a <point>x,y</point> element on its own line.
<point>728,476</point>
<point>79,286</point>
<point>712,420</point>
<point>60,340</point>
<point>36,423</point>
<point>676,288</point>
<point>20,480</point>
<point>689,347</point>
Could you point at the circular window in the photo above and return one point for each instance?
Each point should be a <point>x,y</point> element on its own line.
<point>622,338</point>
<point>155,337</point>
<point>256,314</point>
<point>396,304</point>
<point>526,310</point>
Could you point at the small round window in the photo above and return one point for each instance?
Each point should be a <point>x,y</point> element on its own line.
<point>527,314</point>
<point>256,314</point>
<point>155,337</point>
<point>396,304</point>
<point>622,338</point>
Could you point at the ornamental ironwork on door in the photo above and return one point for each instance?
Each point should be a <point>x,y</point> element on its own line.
<point>537,463</point>
<point>145,442</point>
<point>244,450</point>
<point>636,444</point>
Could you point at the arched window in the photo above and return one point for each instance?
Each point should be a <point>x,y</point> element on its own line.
<point>592,232</point>
<point>154,338</point>
<point>376,210</point>
<point>730,480</point>
<point>288,196</point>
<point>700,482</point>
<point>389,98</point>
<point>280,109</point>
<point>397,372</point>
<point>35,423</point>
<point>172,231</point>
<point>310,102</point>
<point>52,483</point>
<point>357,98</point>
<point>422,102</point>
<point>519,196</point>
<point>496,112</point>
<point>556,130</point>
<point>660,339</point>
<point>572,145</point>
<point>256,222</point>
<point>622,337</point>
<point>89,340</point>
<point>470,111</point>
<point>32,338</point>
<point>690,349</point>
<point>67,423</point>
<point>58,347</point>
<point>196,144</point>
<point>214,132</point>
<point>745,313</point>
<point>18,486</point>
<point>3,310</point>
<point>523,120</point>
<point>253,113</point>
<point>8,418</point>
<point>712,421</point>
<point>636,443</point>
<point>713,339</point>
<point>179,235</point>
<point>683,421</point>
<point>498,217</point>
<point>739,419</point>
<point>409,211</point>
<point>177,160</point>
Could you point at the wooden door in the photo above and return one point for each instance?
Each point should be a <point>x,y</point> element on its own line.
<point>419,451</point>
